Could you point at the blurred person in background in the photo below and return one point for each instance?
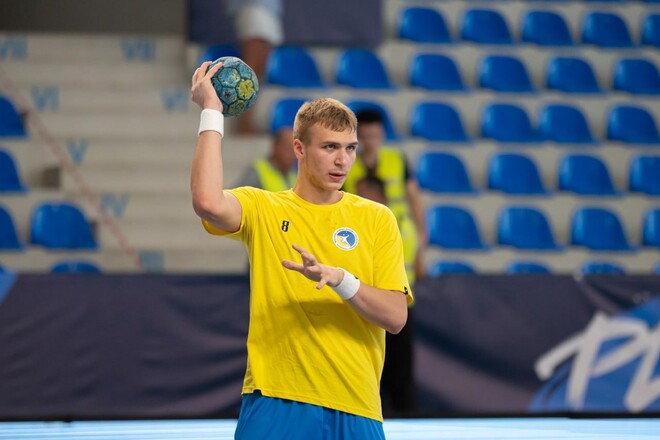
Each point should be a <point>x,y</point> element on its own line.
<point>278,171</point>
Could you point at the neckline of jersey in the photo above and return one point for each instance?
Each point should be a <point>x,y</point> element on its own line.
<point>302,202</point>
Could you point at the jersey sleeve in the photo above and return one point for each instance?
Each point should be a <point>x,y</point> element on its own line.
<point>247,197</point>
<point>389,264</point>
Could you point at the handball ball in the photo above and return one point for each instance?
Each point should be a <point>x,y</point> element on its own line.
<point>236,85</point>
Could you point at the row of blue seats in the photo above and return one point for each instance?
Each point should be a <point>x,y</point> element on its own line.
<point>447,267</point>
<point>502,122</point>
<point>54,225</point>
<point>362,68</point>
<point>546,28</point>
<point>518,174</point>
<point>528,228</point>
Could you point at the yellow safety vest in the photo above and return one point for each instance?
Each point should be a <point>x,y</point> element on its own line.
<point>271,178</point>
<point>391,169</point>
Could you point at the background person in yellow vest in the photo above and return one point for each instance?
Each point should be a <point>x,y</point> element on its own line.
<point>277,172</point>
<point>390,165</point>
<point>397,388</point>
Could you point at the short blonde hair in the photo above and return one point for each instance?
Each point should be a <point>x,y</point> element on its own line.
<point>328,113</point>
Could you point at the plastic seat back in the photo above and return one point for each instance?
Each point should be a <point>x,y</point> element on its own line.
<point>644,175</point>
<point>61,225</point>
<point>388,125</point>
<point>636,76</point>
<point>585,175</point>
<point>651,228</point>
<point>362,69</point>
<point>453,227</point>
<point>293,67</point>
<point>8,235</point>
<point>514,174</point>
<point>525,228</point>
<point>651,30</point>
<point>605,29</point>
<point>423,25</point>
<point>11,123</point>
<point>504,74</point>
<point>546,28</point>
<point>284,113</point>
<point>602,268</point>
<point>78,267</point>
<point>631,124</point>
<point>527,267</point>
<point>598,229</point>
<point>440,268</point>
<point>435,72</point>
<point>507,123</point>
<point>443,173</point>
<point>571,75</point>
<point>485,26</point>
<point>437,121</point>
<point>10,180</point>
<point>564,124</point>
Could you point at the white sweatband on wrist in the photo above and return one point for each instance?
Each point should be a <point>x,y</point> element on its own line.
<point>348,286</point>
<point>211,120</point>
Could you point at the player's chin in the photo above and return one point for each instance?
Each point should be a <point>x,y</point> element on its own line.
<point>336,181</point>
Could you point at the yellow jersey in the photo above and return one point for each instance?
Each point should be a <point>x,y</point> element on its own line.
<point>305,344</point>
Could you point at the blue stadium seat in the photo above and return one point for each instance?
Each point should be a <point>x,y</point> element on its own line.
<point>504,74</point>
<point>388,125</point>
<point>585,175</point>
<point>423,25</point>
<point>651,30</point>
<point>362,69</point>
<point>546,28</point>
<point>433,71</point>
<point>453,227</point>
<point>438,122</point>
<point>507,123</point>
<point>514,174</point>
<point>644,175</point>
<point>293,67</point>
<point>651,228</point>
<point>571,75</point>
<point>598,229</point>
<point>636,76</point>
<point>11,123</point>
<point>450,267</point>
<point>525,228</point>
<point>78,267</point>
<point>284,112</point>
<point>8,234</point>
<point>602,268</point>
<point>485,26</point>
<point>10,180</point>
<point>632,125</point>
<point>61,225</point>
<point>527,267</point>
<point>216,51</point>
<point>605,29</point>
<point>443,173</point>
<point>564,124</point>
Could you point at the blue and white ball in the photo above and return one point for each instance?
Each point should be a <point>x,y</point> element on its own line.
<point>236,84</point>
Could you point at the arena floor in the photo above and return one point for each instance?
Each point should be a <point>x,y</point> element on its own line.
<point>527,428</point>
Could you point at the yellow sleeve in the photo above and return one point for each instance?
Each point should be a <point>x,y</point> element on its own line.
<point>247,197</point>
<point>389,265</point>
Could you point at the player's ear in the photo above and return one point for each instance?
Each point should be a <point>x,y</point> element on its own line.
<point>298,148</point>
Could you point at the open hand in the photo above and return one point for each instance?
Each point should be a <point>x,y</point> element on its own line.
<point>314,270</point>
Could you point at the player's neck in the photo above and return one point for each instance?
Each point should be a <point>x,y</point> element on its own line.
<point>313,194</point>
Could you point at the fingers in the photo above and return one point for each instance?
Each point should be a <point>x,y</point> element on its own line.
<point>308,259</point>
<point>201,73</point>
<point>293,266</point>
<point>323,281</point>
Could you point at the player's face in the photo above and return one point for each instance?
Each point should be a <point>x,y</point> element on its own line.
<point>371,136</point>
<point>327,157</point>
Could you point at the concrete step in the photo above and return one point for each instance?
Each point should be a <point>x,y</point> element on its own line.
<point>80,74</point>
<point>90,48</point>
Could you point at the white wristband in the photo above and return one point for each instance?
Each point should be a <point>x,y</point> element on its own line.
<point>348,286</point>
<point>211,120</point>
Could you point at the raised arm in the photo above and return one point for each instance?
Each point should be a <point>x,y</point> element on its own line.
<point>210,201</point>
<point>385,308</point>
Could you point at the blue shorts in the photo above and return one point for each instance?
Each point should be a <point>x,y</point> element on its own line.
<point>270,418</point>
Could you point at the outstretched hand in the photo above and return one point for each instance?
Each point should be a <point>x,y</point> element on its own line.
<point>202,92</point>
<point>314,270</point>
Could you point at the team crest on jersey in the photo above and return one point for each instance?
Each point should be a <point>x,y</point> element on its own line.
<point>345,239</point>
